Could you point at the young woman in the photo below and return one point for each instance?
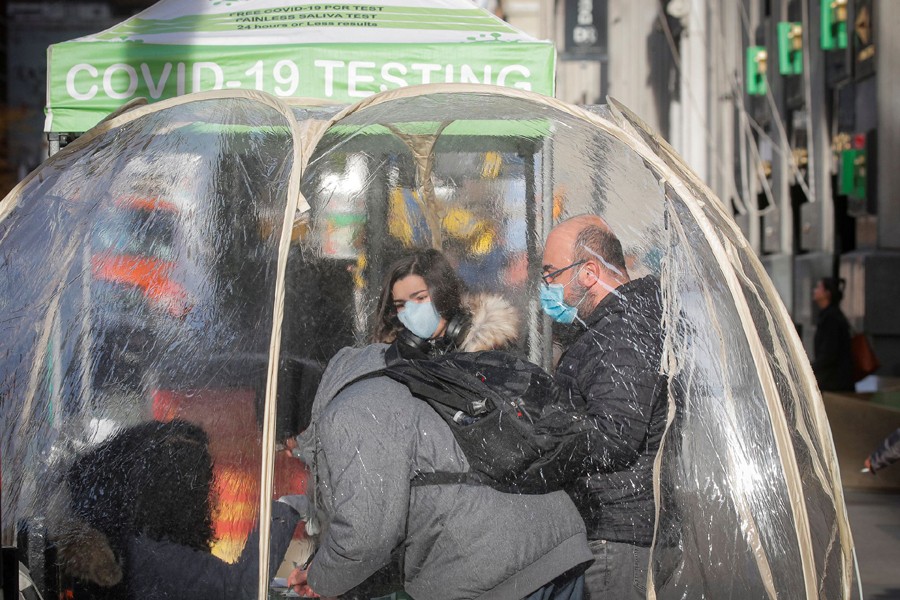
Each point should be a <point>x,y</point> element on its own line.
<point>424,303</point>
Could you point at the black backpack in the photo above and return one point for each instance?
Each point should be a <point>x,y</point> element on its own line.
<point>492,401</point>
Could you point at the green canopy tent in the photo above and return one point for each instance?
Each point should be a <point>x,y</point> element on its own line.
<point>337,53</point>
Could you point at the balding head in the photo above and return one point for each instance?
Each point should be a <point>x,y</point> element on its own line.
<point>585,239</point>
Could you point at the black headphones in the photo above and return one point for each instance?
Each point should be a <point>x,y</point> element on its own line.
<point>453,337</point>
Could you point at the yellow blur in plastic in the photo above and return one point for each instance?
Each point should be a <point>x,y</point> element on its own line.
<point>398,217</point>
<point>490,169</point>
<point>477,233</point>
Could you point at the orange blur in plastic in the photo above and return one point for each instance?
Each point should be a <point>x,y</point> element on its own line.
<point>229,418</point>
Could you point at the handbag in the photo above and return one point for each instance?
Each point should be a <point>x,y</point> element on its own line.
<point>865,361</point>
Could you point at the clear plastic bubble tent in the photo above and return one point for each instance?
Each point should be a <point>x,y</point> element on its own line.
<point>204,257</point>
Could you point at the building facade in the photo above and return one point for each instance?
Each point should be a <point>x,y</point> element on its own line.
<point>788,110</point>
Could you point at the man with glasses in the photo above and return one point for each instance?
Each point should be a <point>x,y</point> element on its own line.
<point>611,372</point>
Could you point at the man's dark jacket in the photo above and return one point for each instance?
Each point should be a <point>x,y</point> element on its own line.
<point>612,372</point>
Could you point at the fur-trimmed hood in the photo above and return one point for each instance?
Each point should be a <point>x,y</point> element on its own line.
<point>82,551</point>
<point>495,323</point>
<point>85,553</point>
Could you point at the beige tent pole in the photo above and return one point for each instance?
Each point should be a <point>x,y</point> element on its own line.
<point>267,481</point>
<point>422,148</point>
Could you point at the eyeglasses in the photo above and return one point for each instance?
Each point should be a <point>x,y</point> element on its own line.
<point>549,277</point>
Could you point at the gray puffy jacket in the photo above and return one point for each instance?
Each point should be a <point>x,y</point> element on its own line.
<point>460,541</point>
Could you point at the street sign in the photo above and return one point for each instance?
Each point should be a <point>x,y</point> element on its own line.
<point>586,29</point>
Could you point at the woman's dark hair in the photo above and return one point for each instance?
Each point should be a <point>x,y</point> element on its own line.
<point>444,287</point>
<point>152,479</point>
<point>835,287</point>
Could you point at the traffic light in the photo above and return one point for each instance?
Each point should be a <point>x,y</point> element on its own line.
<point>756,70</point>
<point>857,176</point>
<point>834,24</point>
<point>790,48</point>
<point>852,177</point>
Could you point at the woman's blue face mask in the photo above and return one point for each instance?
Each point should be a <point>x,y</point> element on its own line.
<point>421,318</point>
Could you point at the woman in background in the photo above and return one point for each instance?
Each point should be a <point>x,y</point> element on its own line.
<point>832,358</point>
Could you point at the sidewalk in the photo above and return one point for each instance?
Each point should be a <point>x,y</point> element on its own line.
<point>875,523</point>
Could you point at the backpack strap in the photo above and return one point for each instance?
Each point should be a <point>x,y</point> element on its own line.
<point>370,375</point>
<point>421,388</point>
<point>446,478</point>
<point>395,370</point>
<point>434,381</point>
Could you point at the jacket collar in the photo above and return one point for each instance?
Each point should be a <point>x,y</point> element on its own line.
<point>619,299</point>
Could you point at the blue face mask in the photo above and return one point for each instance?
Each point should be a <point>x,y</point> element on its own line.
<point>554,306</point>
<point>420,318</point>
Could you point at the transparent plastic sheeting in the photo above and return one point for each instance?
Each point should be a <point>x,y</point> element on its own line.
<point>138,284</point>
